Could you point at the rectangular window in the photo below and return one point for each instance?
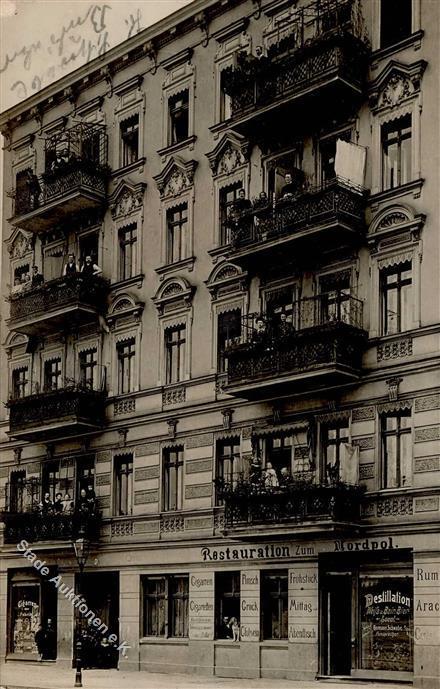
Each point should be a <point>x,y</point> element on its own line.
<point>395,21</point>
<point>396,292</point>
<point>124,485</point>
<point>20,382</point>
<point>274,604</point>
<point>227,603</point>
<point>129,140</point>
<point>173,479</point>
<point>228,333</point>
<point>85,473</point>
<point>227,198</point>
<point>166,606</point>
<point>127,252</point>
<point>178,113</point>
<point>177,230</point>
<point>229,463</point>
<point>279,453</point>
<point>88,369</point>
<point>175,344</point>
<point>396,450</point>
<point>225,98</point>
<point>396,152</point>
<point>125,354</point>
<point>334,300</point>
<point>52,374</point>
<point>332,438</point>
<point>51,480</point>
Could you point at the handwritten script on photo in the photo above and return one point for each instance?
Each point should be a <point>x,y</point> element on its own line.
<point>75,42</point>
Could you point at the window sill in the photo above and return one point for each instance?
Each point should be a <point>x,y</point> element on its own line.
<point>414,188</point>
<point>138,165</point>
<point>135,281</point>
<point>169,268</point>
<point>227,642</point>
<point>219,251</point>
<point>186,143</point>
<point>145,640</point>
<point>415,40</point>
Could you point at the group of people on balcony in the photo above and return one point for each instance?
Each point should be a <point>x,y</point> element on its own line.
<point>269,335</point>
<point>72,269</point>
<point>85,504</point>
<point>268,478</point>
<point>244,213</point>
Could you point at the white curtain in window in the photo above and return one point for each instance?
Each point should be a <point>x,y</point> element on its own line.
<point>350,162</point>
<point>349,464</point>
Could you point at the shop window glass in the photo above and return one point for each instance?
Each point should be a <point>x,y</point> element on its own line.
<point>227,602</point>
<point>166,606</point>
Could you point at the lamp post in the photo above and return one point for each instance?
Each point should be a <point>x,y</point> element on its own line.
<point>81,547</point>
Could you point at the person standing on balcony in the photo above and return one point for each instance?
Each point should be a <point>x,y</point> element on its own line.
<point>90,269</point>
<point>285,329</point>
<point>289,188</point>
<point>270,477</point>
<point>67,504</point>
<point>46,505</point>
<point>37,277</point>
<point>34,189</point>
<point>241,210</point>
<point>58,504</point>
<point>71,267</point>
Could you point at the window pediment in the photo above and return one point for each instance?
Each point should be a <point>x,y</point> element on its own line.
<point>175,292</point>
<point>126,199</point>
<point>226,275</point>
<point>396,84</point>
<point>395,224</point>
<point>231,152</point>
<point>176,177</point>
<point>125,308</point>
<point>20,243</point>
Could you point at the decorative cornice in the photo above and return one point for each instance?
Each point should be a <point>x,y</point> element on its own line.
<point>179,58</point>
<point>126,198</point>
<point>231,30</point>
<point>174,290</point>
<point>128,85</point>
<point>231,142</point>
<point>226,275</point>
<point>177,176</point>
<point>395,83</point>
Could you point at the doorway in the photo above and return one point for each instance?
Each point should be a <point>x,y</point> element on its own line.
<point>337,623</point>
<point>101,594</point>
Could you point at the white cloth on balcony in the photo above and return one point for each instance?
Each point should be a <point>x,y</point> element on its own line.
<point>349,464</point>
<point>350,162</point>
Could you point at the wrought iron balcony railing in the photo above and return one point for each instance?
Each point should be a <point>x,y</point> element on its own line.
<point>62,293</point>
<point>74,407</point>
<point>36,526</point>
<point>321,42</point>
<point>338,203</point>
<point>325,335</point>
<point>248,502</point>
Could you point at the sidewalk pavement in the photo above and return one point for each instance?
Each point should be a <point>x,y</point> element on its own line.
<point>32,675</point>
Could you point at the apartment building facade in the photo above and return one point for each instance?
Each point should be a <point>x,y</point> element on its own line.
<point>247,376</point>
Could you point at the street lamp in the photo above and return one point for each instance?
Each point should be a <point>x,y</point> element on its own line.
<point>81,546</point>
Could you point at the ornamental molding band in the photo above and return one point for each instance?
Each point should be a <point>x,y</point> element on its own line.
<point>176,292</point>
<point>426,434</point>
<point>148,449</point>
<point>394,406</point>
<point>146,497</point>
<point>226,275</point>
<point>366,471</point>
<point>427,504</point>
<point>427,403</point>
<point>195,523</point>
<point>202,440</point>
<point>367,442</point>
<point>172,524</point>
<point>363,414</point>
<point>122,528</point>
<point>200,490</point>
<point>422,464</point>
<point>395,507</point>
<point>330,417</point>
<point>146,473</point>
<point>395,350</point>
<point>231,152</point>
<point>104,456</point>
<point>176,177</point>
<point>174,396</point>
<point>127,199</point>
<point>124,407</point>
<point>198,466</point>
<point>147,527</point>
<point>396,84</point>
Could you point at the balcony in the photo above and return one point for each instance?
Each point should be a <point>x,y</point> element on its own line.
<point>301,505</point>
<point>73,409</point>
<point>322,350</point>
<point>332,215</point>
<point>319,58</point>
<point>35,526</point>
<point>75,179</point>
<point>63,303</point>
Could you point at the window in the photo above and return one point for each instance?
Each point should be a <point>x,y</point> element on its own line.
<point>274,604</point>
<point>20,382</point>
<point>178,110</point>
<point>127,251</point>
<point>17,492</point>
<point>228,333</point>
<point>279,453</point>
<point>225,98</point>
<point>124,485</point>
<point>228,196</point>
<point>332,438</point>
<point>396,291</point>
<point>23,195</point>
<point>88,369</point>
<point>125,353</point>
<point>166,606</point>
<point>227,602</point>
<point>335,298</point>
<point>280,301</point>
<point>177,229</point>
<point>129,140</point>
<point>396,449</point>
<point>52,374</point>
<point>395,21</point>
<point>327,149</point>
<point>396,152</point>
<point>51,479</point>
<point>173,479</point>
<point>229,463</point>
<point>175,341</point>
<point>85,473</point>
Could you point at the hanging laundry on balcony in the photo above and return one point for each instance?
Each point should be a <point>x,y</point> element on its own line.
<point>349,464</point>
<point>350,163</point>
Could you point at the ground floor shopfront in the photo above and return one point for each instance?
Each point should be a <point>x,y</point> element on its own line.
<point>365,607</point>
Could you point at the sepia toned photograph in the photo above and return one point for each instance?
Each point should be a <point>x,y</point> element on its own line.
<point>220,344</point>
